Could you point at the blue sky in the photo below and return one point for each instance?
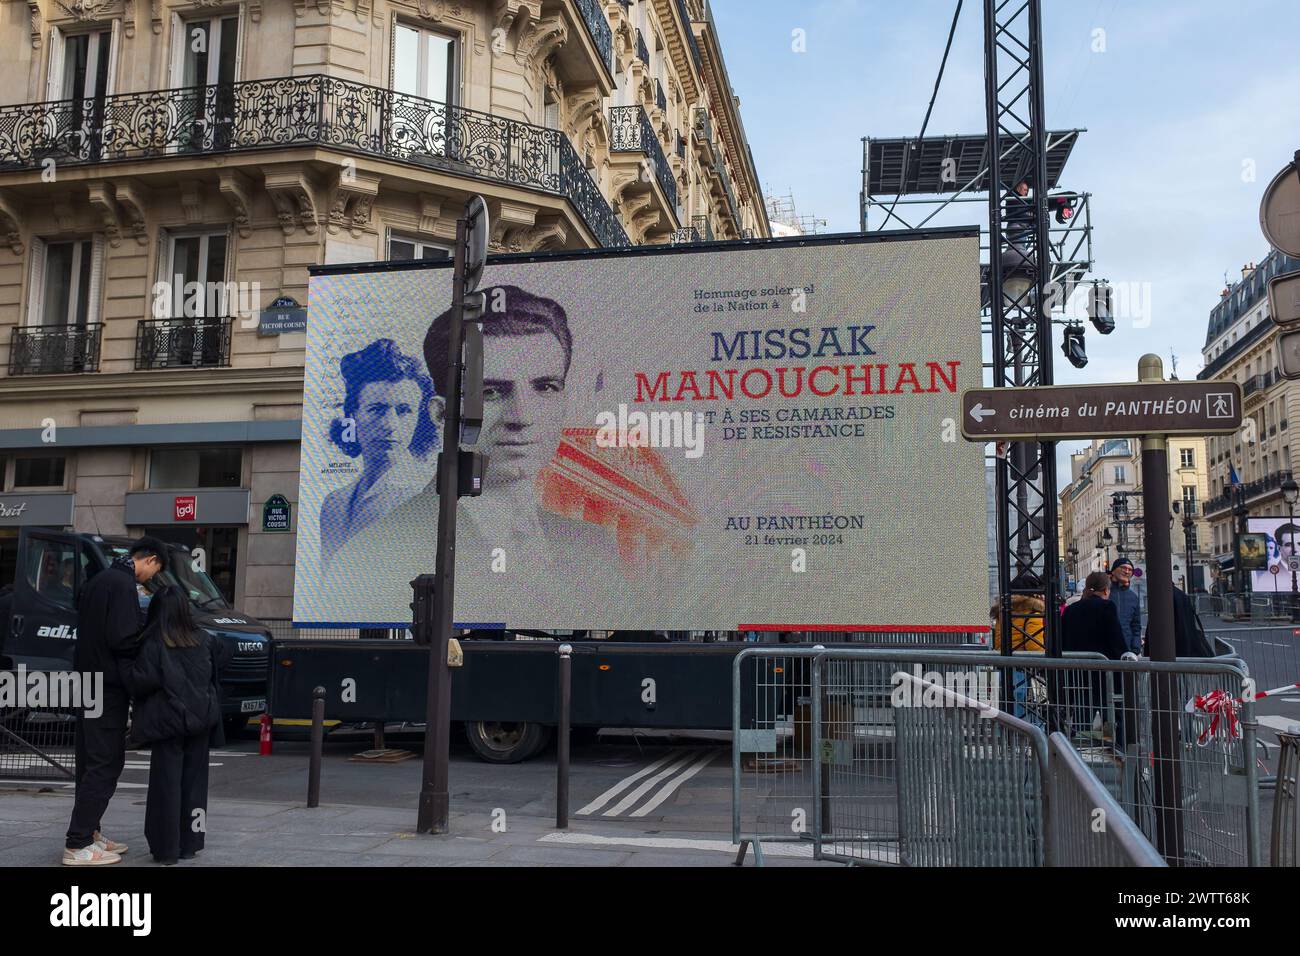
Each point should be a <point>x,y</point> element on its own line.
<point>1183,98</point>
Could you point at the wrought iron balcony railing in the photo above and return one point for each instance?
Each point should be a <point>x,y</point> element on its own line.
<point>641,50</point>
<point>661,100</point>
<point>630,131</point>
<point>728,192</point>
<point>685,234</point>
<point>593,15</point>
<point>1251,489</point>
<point>703,126</point>
<point>183,343</point>
<point>681,144</point>
<point>1258,383</point>
<point>55,349</point>
<point>305,110</point>
<point>703,226</point>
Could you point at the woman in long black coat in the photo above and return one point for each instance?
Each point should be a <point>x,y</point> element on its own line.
<point>173,682</point>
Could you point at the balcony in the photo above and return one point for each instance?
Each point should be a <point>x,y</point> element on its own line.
<point>602,37</point>
<point>703,226</point>
<point>1257,383</point>
<point>681,145</point>
<point>260,115</point>
<point>631,132</point>
<point>686,234</point>
<point>704,141</point>
<point>183,343</point>
<point>728,193</point>
<point>642,52</point>
<point>661,100</point>
<point>55,349</point>
<point>1271,483</point>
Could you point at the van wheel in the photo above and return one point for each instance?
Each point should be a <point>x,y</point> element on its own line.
<point>235,727</point>
<point>498,742</point>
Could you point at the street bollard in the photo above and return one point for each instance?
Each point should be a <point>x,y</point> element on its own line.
<point>562,742</point>
<point>317,746</point>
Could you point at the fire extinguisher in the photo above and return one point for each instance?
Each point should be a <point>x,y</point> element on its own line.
<point>265,736</point>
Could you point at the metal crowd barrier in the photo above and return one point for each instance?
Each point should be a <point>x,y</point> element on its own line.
<point>816,758</point>
<point>1284,846</point>
<point>970,784</point>
<point>1272,653</point>
<point>1088,826</point>
<point>36,744</point>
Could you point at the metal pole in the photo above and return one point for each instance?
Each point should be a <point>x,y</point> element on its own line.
<point>317,746</point>
<point>1165,748</point>
<point>562,744</point>
<point>434,802</point>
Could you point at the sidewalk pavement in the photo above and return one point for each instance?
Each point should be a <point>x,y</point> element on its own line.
<point>271,833</point>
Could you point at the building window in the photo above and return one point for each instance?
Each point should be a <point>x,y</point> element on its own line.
<point>1187,457</point>
<point>196,467</point>
<point>1120,475</point>
<point>424,63</point>
<point>66,277</point>
<point>1189,499</point>
<point>39,471</point>
<point>196,263</point>
<point>403,247</point>
<point>1193,543</point>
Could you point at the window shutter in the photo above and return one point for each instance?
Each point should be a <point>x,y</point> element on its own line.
<point>160,271</point>
<point>54,78</point>
<point>392,49</point>
<point>114,44</point>
<point>95,291</point>
<point>36,284</point>
<point>239,40</point>
<point>388,242</point>
<point>176,71</point>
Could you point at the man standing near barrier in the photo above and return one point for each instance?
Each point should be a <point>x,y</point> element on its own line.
<point>1126,603</point>
<point>108,624</point>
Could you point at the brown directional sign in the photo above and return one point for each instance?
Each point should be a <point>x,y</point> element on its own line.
<point>1060,412</point>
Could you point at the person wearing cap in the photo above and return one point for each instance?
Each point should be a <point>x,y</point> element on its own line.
<point>1126,603</point>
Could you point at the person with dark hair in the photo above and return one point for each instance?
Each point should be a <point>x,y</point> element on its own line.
<point>527,352</point>
<point>108,626</point>
<point>1093,624</point>
<point>1285,538</point>
<point>174,682</point>
<point>387,422</point>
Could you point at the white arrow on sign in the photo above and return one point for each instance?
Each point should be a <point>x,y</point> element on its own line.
<point>979,412</point>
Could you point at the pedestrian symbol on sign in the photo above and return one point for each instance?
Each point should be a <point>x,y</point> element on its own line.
<point>1220,404</point>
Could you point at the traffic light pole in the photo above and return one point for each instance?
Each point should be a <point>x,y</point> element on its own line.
<point>434,806</point>
<point>1165,745</point>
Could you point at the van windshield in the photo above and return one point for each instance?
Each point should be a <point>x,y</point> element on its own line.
<point>202,590</point>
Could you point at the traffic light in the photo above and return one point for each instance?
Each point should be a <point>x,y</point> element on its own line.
<point>1100,310</point>
<point>1062,206</point>
<point>1072,346</point>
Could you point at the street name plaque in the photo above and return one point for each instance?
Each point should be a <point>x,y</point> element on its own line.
<point>1061,412</point>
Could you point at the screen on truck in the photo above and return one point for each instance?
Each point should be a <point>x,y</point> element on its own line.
<point>729,437</point>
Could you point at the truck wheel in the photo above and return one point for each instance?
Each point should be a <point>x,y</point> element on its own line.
<point>498,742</point>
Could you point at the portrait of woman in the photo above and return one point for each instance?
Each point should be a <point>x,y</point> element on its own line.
<point>388,422</point>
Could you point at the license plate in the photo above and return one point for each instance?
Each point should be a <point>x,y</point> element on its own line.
<point>252,706</point>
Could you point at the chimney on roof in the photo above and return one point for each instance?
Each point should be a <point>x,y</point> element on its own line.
<point>1245,272</point>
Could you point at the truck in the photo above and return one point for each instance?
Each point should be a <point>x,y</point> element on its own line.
<point>38,611</point>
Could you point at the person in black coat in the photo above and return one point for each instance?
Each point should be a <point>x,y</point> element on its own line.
<point>1189,633</point>
<point>175,683</point>
<point>1092,624</point>
<point>108,625</point>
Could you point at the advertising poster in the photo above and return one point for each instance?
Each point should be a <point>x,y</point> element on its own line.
<point>1276,541</point>
<point>762,435</point>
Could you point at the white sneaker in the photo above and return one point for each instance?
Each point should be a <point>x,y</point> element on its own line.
<point>109,846</point>
<point>91,855</point>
